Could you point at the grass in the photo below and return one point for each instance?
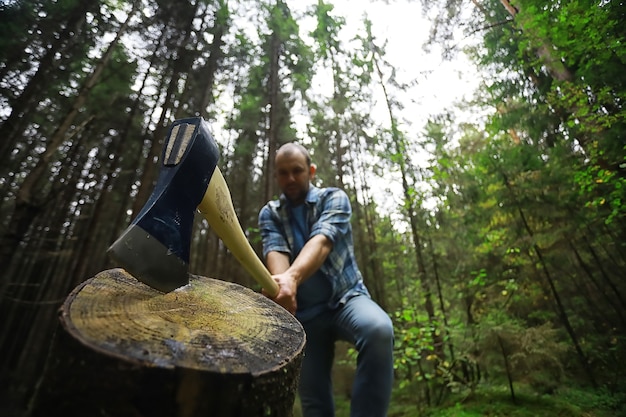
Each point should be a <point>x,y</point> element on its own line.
<point>486,401</point>
<point>495,401</point>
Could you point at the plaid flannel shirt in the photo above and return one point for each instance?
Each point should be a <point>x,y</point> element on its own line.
<point>328,213</point>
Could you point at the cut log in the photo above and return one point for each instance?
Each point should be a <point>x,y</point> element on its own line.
<point>210,348</point>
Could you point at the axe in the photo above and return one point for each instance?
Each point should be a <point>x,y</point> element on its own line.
<point>156,245</point>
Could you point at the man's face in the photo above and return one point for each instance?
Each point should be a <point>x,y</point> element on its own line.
<point>293,175</point>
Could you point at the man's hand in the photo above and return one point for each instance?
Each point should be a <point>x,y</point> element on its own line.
<point>288,277</point>
<point>287,290</point>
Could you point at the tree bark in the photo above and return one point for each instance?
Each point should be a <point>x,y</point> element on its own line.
<point>28,202</point>
<point>216,55</point>
<point>543,48</point>
<point>560,308</point>
<point>210,348</point>
<point>46,67</point>
<point>399,145</point>
<point>180,62</point>
<point>272,128</point>
<point>507,367</point>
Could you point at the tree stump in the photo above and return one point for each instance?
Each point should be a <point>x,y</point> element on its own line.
<point>210,348</point>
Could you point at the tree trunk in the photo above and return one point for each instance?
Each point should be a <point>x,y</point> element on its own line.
<point>597,285</point>
<point>560,308</point>
<point>440,297</point>
<point>216,55</point>
<point>543,48</point>
<point>186,106</point>
<point>48,64</point>
<point>180,61</point>
<point>604,273</point>
<point>507,367</point>
<point>210,348</point>
<point>400,150</point>
<point>28,202</point>
<point>272,128</point>
<point>366,231</point>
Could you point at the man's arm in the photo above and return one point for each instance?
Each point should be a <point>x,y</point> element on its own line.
<point>288,277</point>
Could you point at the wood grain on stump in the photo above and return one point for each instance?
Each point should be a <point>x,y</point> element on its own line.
<point>210,348</point>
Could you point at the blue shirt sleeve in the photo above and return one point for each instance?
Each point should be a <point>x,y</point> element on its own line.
<point>270,228</point>
<point>334,221</point>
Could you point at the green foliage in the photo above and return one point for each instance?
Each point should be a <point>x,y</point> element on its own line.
<point>493,400</point>
<point>116,81</point>
<point>504,209</point>
<point>530,355</point>
<point>604,189</point>
<point>413,343</point>
<point>599,400</point>
<point>15,18</point>
<point>326,31</point>
<point>296,55</point>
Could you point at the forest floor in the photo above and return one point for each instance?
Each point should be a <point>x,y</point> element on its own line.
<point>487,400</point>
<point>495,401</point>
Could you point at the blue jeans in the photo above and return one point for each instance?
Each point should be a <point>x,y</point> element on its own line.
<point>364,324</point>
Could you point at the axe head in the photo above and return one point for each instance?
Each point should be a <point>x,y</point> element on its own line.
<point>155,246</point>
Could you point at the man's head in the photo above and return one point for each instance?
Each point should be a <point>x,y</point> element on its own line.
<point>294,171</point>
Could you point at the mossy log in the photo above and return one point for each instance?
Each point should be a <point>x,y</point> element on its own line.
<point>210,348</point>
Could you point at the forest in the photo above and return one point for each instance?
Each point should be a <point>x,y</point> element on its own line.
<point>496,242</point>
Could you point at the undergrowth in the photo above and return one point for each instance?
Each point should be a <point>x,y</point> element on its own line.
<point>495,401</point>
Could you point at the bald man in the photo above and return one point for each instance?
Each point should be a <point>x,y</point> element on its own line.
<point>308,249</point>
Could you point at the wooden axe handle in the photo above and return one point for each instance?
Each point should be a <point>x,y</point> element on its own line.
<point>217,207</point>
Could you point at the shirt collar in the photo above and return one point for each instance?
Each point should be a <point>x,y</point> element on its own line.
<point>312,196</point>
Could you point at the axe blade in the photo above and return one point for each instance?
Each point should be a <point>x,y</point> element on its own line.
<point>155,247</point>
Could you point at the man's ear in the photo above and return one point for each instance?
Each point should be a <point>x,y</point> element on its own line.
<point>312,171</point>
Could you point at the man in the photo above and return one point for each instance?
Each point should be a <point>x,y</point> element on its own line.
<point>307,245</point>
